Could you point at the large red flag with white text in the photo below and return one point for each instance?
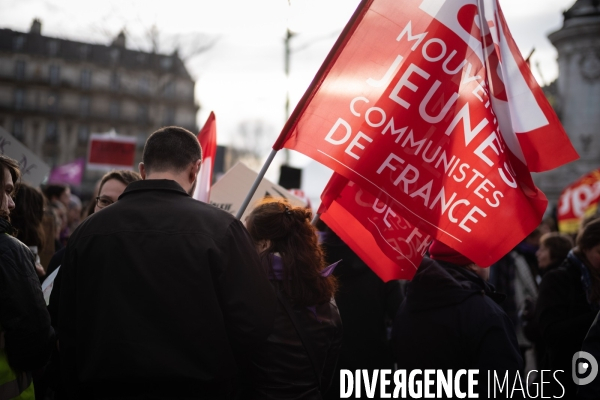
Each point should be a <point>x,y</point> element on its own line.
<point>208,141</point>
<point>429,105</point>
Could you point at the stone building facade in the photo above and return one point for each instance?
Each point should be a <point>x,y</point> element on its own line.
<point>54,93</point>
<point>576,96</point>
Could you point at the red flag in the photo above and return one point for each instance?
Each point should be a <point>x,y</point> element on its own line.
<point>208,141</point>
<point>578,200</point>
<point>389,244</point>
<point>417,104</point>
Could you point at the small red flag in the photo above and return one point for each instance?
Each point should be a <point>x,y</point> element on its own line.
<point>208,141</point>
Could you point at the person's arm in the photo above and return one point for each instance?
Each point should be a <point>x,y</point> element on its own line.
<point>246,295</point>
<point>25,322</point>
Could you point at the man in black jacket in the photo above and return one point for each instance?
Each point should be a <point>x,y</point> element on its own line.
<point>161,295</point>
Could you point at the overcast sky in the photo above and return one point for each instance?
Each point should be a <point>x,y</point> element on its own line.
<point>241,77</point>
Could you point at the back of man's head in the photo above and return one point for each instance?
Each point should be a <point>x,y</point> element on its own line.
<point>170,149</point>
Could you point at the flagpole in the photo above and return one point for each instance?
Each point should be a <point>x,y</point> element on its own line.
<point>480,11</point>
<point>257,181</point>
<point>315,219</point>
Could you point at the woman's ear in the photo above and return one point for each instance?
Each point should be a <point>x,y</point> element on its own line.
<point>263,245</point>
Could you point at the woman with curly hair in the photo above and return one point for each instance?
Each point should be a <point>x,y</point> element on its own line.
<point>299,358</point>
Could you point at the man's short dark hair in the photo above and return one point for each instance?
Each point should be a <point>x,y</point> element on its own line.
<point>171,149</point>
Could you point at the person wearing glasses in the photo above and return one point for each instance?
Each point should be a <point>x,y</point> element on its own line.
<point>112,185</point>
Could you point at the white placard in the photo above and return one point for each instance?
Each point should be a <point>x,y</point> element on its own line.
<point>229,192</point>
<point>33,169</point>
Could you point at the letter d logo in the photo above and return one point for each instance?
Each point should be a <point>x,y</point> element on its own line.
<point>580,367</point>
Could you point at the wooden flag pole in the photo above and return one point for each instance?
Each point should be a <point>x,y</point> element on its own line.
<point>257,181</point>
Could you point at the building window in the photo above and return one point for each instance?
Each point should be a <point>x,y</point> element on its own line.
<point>83,134</point>
<point>84,106</point>
<point>52,48</point>
<point>166,62</point>
<point>114,109</point>
<point>144,85</point>
<point>169,89</point>
<point>142,113</point>
<point>19,99</point>
<point>115,81</point>
<point>169,118</point>
<point>84,51</point>
<point>51,132</point>
<point>86,79</point>
<point>17,130</point>
<point>53,102</point>
<point>54,75</point>
<point>114,55</point>
<point>20,70</point>
<point>19,42</point>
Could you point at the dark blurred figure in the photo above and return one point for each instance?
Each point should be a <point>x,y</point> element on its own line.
<point>299,358</point>
<point>26,337</point>
<point>27,218</point>
<point>516,276</point>
<point>591,344</point>
<point>568,302</point>
<point>553,249</point>
<point>74,213</point>
<point>57,192</point>
<point>450,319</point>
<point>367,306</point>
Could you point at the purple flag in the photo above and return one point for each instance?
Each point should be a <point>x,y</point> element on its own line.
<point>70,173</point>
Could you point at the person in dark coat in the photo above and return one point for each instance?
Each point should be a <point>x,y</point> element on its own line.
<point>367,306</point>
<point>553,249</point>
<point>450,319</point>
<point>568,302</point>
<point>162,296</point>
<point>26,337</point>
<point>299,358</point>
<point>591,345</point>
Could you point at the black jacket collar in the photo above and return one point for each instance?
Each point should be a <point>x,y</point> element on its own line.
<point>153,184</point>
<point>5,226</point>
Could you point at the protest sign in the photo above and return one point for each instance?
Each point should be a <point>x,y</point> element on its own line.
<point>578,200</point>
<point>69,173</point>
<point>417,104</point>
<point>33,169</point>
<point>208,142</point>
<point>108,151</point>
<point>228,192</point>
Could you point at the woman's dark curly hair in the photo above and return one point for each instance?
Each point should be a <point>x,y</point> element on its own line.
<point>289,233</point>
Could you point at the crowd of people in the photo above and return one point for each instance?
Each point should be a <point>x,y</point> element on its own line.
<point>159,296</point>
